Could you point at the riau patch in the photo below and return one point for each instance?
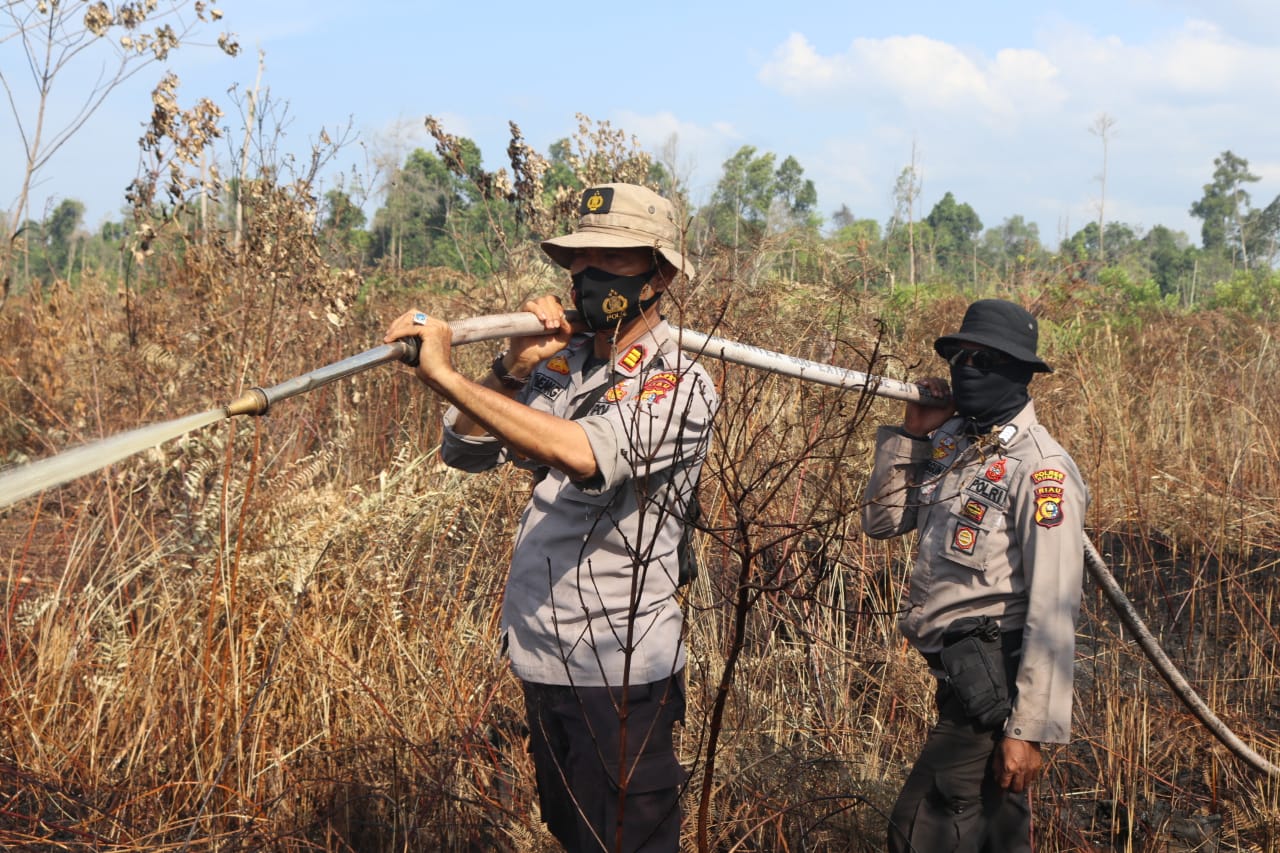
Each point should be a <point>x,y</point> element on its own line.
<point>559,364</point>
<point>631,360</point>
<point>973,510</point>
<point>944,448</point>
<point>657,386</point>
<point>990,492</point>
<point>1049,506</point>
<point>1045,475</point>
<point>616,393</point>
<point>995,471</point>
<point>965,539</point>
<point>596,200</point>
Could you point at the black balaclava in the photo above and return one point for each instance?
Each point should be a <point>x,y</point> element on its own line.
<point>986,398</point>
<point>604,300</point>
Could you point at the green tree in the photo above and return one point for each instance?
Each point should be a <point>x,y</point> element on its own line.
<point>852,233</point>
<point>955,229</point>
<point>1261,231</point>
<point>1011,249</point>
<point>559,173</point>
<point>60,236</point>
<point>739,206</point>
<point>1086,245</point>
<point>795,195</point>
<point>1170,260</point>
<point>753,198</point>
<point>1224,207</point>
<point>424,200</point>
<point>342,229</point>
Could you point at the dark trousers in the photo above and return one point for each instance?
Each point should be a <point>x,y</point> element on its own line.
<point>951,802</point>
<point>596,794</point>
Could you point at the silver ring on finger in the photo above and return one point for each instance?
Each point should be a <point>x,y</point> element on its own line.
<point>419,318</point>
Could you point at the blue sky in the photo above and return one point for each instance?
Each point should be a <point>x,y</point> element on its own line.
<point>996,99</point>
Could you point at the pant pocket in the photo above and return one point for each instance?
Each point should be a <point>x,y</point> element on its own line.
<point>949,819</point>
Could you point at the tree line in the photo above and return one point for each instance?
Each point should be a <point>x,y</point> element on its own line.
<point>440,210</point>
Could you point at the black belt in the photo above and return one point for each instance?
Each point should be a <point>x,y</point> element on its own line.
<point>1010,644</point>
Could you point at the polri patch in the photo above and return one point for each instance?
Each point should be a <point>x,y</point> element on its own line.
<point>995,471</point>
<point>990,492</point>
<point>596,200</point>
<point>632,358</point>
<point>1048,475</point>
<point>945,447</point>
<point>965,539</point>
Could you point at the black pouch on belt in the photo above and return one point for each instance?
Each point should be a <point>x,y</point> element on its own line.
<point>974,664</point>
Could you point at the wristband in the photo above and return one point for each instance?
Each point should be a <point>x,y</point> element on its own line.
<point>913,436</point>
<point>511,383</point>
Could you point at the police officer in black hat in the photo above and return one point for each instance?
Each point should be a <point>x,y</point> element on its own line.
<point>994,596</point>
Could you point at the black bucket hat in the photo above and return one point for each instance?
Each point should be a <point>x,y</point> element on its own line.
<point>1003,326</point>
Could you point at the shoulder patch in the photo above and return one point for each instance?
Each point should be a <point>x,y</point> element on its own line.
<point>658,386</point>
<point>1049,502</point>
<point>559,364</point>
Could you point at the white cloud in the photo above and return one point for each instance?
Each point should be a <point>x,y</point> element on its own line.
<point>918,73</point>
<point>1008,129</point>
<point>1199,60</point>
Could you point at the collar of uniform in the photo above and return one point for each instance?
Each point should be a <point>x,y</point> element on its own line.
<point>1022,421</point>
<point>633,358</point>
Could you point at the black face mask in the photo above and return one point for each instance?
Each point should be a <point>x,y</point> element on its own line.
<point>990,397</point>
<point>605,300</point>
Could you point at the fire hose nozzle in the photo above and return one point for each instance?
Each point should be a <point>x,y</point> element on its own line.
<point>251,402</point>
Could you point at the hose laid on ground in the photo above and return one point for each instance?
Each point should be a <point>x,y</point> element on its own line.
<point>1168,671</point>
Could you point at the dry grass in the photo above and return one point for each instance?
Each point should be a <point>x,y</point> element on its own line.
<point>279,633</point>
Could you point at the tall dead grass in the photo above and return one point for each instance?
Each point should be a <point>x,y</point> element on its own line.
<point>280,633</point>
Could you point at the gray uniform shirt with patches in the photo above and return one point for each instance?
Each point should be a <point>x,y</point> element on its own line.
<point>1001,534</point>
<point>594,568</point>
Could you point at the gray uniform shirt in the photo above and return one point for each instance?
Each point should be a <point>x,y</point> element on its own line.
<point>591,593</point>
<point>1001,534</point>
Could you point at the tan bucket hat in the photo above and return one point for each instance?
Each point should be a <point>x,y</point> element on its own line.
<point>622,216</point>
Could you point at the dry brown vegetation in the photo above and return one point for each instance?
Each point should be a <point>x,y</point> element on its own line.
<point>280,633</point>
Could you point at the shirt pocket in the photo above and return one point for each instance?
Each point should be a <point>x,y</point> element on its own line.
<point>969,538</point>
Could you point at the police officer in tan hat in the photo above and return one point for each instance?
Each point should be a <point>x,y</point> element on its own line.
<point>614,420</point>
<point>994,596</point>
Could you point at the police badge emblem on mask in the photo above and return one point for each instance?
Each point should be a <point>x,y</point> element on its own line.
<point>604,300</point>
